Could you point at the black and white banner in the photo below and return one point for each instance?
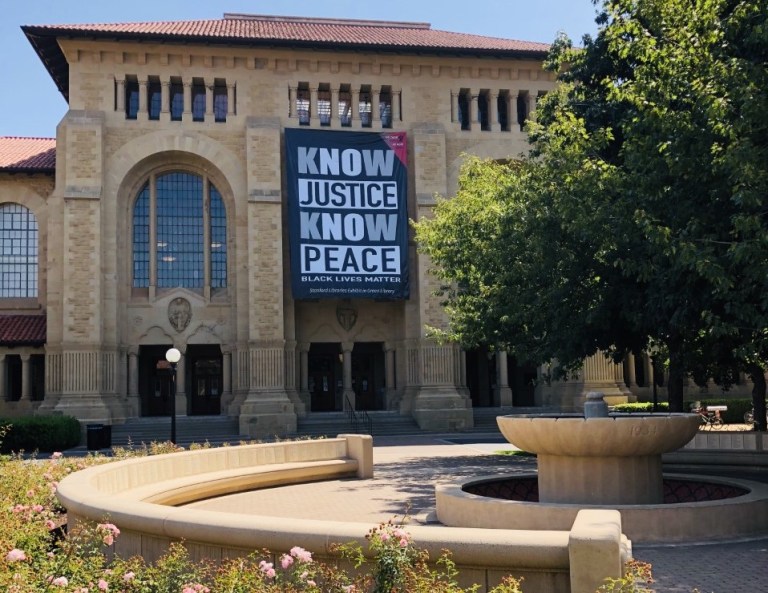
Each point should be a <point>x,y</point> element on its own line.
<point>347,214</point>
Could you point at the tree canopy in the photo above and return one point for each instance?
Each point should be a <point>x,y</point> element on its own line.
<point>640,216</point>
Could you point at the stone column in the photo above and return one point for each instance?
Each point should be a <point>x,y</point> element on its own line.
<point>493,110</point>
<point>187,116</point>
<point>375,116</point>
<point>143,113</point>
<point>355,115</point>
<point>335,118</point>
<point>348,394</point>
<point>25,378</point>
<point>503,391</point>
<point>455,107</point>
<point>120,102</point>
<point>226,380</point>
<point>292,94</point>
<point>513,111</point>
<point>472,110</point>
<point>209,103</point>
<point>165,100</point>
<point>304,368</point>
<point>312,103</point>
<point>133,382</point>
<point>230,99</point>
<point>531,104</point>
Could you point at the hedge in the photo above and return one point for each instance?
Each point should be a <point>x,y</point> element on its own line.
<point>39,433</point>
<point>733,415</point>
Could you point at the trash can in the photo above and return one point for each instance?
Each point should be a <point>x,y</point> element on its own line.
<point>94,436</point>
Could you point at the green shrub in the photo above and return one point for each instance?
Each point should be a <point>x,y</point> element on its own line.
<point>40,433</point>
<point>641,407</point>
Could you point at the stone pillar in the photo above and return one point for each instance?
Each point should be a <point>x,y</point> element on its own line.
<point>25,378</point>
<point>304,368</point>
<point>209,104</point>
<point>503,391</point>
<point>120,96</point>
<point>312,103</point>
<point>226,380</point>
<point>355,115</point>
<point>335,119</point>
<point>472,110</point>
<point>493,110</point>
<point>629,366</point>
<point>531,105</point>
<point>513,121</point>
<point>230,99</point>
<point>455,108</point>
<point>292,94</point>
<point>375,115</point>
<point>143,113</point>
<point>187,115</point>
<point>165,100</point>
<point>348,394</point>
<point>133,382</point>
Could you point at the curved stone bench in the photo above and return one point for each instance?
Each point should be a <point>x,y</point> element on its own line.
<point>140,495</point>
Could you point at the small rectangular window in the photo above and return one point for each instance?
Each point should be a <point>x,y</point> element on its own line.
<point>131,98</point>
<point>484,110</point>
<point>302,103</point>
<point>220,100</point>
<point>154,98</point>
<point>502,105</point>
<point>324,105</point>
<point>345,105</point>
<point>463,114</point>
<point>365,107</point>
<point>176,98</point>
<point>198,100</point>
<point>385,107</point>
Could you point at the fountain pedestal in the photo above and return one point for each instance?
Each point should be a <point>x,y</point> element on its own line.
<point>614,460</point>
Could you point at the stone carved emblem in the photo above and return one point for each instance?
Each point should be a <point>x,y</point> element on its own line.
<point>347,317</point>
<point>179,313</point>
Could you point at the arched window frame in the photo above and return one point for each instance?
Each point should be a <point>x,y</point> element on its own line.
<point>19,251</point>
<point>179,233</point>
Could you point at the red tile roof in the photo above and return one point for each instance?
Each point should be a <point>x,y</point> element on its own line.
<point>21,330</point>
<point>27,154</point>
<point>280,31</point>
<point>339,32</point>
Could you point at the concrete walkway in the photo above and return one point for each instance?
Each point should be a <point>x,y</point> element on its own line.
<point>407,468</point>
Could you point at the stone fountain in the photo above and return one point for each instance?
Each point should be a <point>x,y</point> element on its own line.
<point>602,460</point>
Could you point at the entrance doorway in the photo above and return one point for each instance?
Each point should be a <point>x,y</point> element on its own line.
<point>481,377</point>
<point>154,382</point>
<point>325,380</point>
<point>204,364</point>
<point>368,375</point>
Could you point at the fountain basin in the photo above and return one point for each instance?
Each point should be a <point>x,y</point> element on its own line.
<point>743,514</point>
<point>615,460</point>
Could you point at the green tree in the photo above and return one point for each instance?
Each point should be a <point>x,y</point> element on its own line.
<point>642,212</point>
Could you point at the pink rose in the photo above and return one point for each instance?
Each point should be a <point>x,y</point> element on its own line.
<point>103,585</point>
<point>286,561</point>
<point>60,582</point>
<point>15,555</point>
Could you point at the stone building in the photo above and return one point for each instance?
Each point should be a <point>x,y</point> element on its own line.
<point>159,217</point>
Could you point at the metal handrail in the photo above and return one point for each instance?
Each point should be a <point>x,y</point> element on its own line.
<point>355,422</point>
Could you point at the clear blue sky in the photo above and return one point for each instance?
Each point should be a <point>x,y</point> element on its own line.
<point>31,105</point>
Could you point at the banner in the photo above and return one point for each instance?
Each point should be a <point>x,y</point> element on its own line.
<point>347,214</point>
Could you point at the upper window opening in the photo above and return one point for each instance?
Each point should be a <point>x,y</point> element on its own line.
<point>198,100</point>
<point>131,98</point>
<point>220,101</point>
<point>176,98</point>
<point>324,105</point>
<point>385,107</point>
<point>154,101</point>
<point>302,103</point>
<point>184,216</point>
<point>365,106</point>
<point>18,251</point>
<point>463,104</point>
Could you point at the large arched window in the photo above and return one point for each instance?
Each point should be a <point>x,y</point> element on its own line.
<point>18,251</point>
<point>179,225</point>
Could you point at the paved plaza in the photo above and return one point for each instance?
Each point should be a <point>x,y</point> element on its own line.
<point>407,468</point>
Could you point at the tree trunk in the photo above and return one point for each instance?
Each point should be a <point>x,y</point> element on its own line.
<point>757,374</point>
<point>676,381</point>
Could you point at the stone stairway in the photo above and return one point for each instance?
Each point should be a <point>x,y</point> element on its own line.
<point>217,430</point>
<point>189,429</point>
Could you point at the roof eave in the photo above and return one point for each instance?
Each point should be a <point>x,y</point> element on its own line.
<point>45,42</point>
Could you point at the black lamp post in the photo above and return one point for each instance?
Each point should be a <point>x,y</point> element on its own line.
<point>173,356</point>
